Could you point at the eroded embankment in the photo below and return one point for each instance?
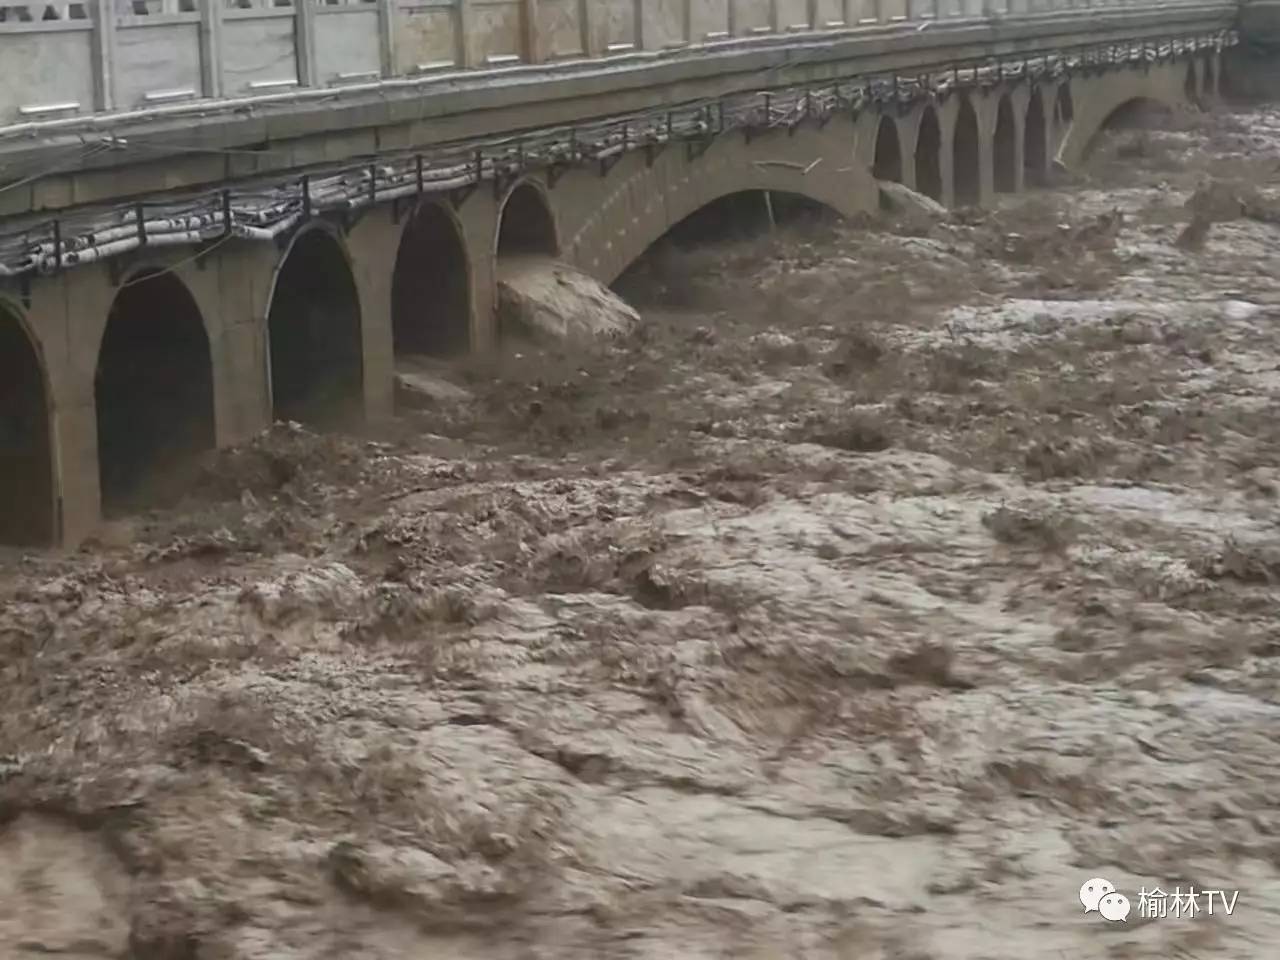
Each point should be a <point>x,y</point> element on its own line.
<point>886,584</point>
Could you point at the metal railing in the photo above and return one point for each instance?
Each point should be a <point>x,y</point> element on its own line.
<point>268,209</point>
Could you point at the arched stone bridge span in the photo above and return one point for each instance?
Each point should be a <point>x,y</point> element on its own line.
<point>192,338</point>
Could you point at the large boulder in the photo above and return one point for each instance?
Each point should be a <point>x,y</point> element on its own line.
<point>541,298</point>
<point>902,199</point>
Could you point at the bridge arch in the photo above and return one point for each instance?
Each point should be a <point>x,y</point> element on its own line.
<point>314,338</point>
<point>1096,102</point>
<point>1005,147</point>
<point>887,164</point>
<point>1135,113</point>
<point>27,488</point>
<point>153,387</point>
<point>1035,140</point>
<point>614,219</point>
<point>928,157</point>
<point>527,222</point>
<point>431,284</point>
<point>966,152</point>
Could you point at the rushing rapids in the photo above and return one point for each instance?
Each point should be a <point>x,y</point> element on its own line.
<point>887,583</point>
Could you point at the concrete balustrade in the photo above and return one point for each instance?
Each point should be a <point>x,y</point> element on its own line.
<point>62,58</point>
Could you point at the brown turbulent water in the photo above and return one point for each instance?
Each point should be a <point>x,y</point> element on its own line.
<point>892,581</point>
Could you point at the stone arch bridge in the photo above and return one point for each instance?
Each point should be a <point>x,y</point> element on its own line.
<point>159,296</point>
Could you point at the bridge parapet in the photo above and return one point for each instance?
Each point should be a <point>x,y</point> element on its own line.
<point>69,58</point>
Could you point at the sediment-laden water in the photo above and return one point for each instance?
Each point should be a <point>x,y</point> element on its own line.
<point>890,582</point>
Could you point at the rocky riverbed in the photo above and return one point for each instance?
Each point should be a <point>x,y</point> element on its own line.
<point>889,581</point>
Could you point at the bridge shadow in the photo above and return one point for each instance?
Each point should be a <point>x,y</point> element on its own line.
<point>1035,139</point>
<point>26,464</point>
<point>929,155</point>
<point>526,226</point>
<point>317,366</point>
<point>1006,148</point>
<point>431,286</point>
<point>669,272</point>
<point>1139,113</point>
<point>153,390</point>
<point>888,154</point>
<point>966,168</point>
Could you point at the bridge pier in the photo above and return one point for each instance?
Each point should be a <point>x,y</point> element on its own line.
<point>374,243</point>
<point>479,218</point>
<point>1034,136</point>
<point>68,317</point>
<point>244,274</point>
<point>278,324</point>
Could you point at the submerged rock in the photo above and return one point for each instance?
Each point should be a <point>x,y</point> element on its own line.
<point>1219,201</point>
<point>420,385</point>
<point>540,298</point>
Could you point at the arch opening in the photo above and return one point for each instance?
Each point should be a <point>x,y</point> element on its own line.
<point>153,389</point>
<point>1006,148</point>
<point>26,455</point>
<point>968,188</point>
<point>742,216</point>
<point>526,227</point>
<point>313,329</point>
<point>668,274</point>
<point>1034,158</point>
<point>431,287</point>
<point>888,156</point>
<point>1140,114</point>
<point>929,155</point>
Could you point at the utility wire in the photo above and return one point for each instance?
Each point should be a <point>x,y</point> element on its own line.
<point>174,267</point>
<point>86,152</point>
<point>343,185</point>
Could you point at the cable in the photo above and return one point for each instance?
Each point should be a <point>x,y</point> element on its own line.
<point>186,261</point>
<point>261,209</point>
<point>87,152</point>
<point>193,148</point>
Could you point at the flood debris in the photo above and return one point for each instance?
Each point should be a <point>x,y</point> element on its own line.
<point>424,384</point>
<point>883,585</point>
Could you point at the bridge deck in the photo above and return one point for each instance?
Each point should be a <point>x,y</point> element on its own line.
<point>100,145</point>
<point>264,209</point>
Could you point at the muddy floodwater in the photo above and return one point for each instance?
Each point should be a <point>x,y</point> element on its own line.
<point>888,583</point>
